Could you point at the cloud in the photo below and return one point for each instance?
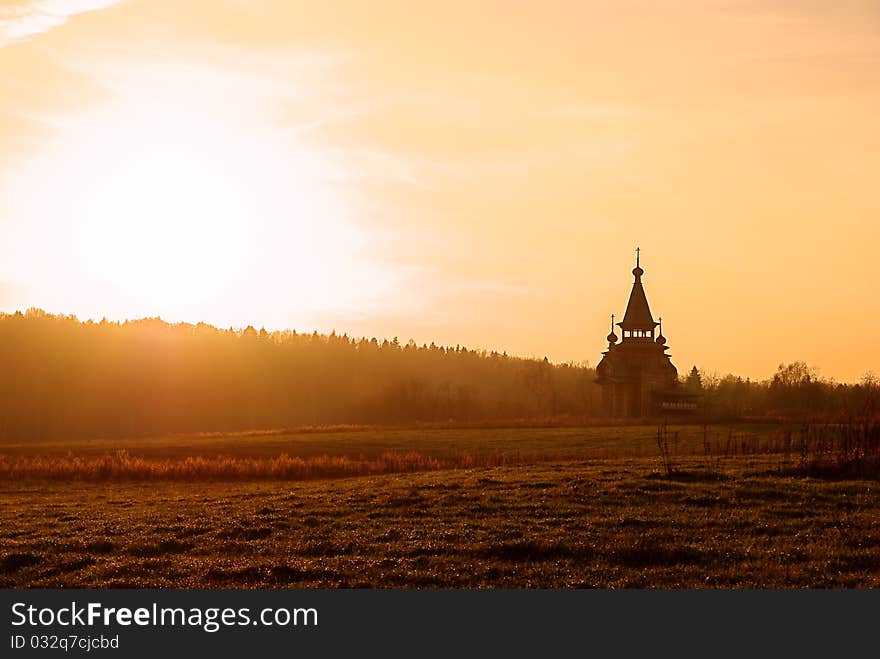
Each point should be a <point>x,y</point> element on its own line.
<point>25,19</point>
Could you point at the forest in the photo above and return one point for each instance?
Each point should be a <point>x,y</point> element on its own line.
<point>62,377</point>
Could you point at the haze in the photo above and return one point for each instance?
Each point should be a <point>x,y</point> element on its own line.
<point>458,172</point>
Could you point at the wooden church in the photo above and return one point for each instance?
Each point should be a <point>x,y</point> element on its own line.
<point>637,376</point>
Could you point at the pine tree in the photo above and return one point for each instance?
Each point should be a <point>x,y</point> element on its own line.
<point>694,381</point>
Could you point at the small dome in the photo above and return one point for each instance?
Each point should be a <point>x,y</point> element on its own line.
<point>661,339</point>
<point>638,272</point>
<point>612,338</point>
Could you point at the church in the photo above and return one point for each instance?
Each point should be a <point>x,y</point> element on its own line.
<point>637,375</point>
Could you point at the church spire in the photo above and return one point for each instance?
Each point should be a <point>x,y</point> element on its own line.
<point>638,313</point>
<point>636,373</point>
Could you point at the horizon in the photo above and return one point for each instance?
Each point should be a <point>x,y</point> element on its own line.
<point>403,341</point>
<point>477,176</point>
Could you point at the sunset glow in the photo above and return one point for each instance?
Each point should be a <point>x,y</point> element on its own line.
<point>465,176</point>
<point>436,295</point>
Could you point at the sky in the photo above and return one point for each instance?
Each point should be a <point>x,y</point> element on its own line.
<point>457,172</point>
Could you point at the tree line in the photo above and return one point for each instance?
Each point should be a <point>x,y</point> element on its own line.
<point>62,377</point>
<point>65,377</point>
<point>795,392</point>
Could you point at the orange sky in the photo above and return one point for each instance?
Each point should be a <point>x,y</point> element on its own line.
<point>474,173</point>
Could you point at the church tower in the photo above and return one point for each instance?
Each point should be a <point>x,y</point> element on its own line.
<point>637,375</point>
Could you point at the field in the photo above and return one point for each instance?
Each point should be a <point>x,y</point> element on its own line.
<point>530,507</point>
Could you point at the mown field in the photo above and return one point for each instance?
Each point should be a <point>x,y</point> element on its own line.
<point>597,510</point>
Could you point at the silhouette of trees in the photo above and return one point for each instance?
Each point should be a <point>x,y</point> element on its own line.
<point>795,391</point>
<point>62,377</point>
<point>694,381</point>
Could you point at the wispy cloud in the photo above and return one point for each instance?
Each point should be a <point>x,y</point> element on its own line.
<point>25,19</point>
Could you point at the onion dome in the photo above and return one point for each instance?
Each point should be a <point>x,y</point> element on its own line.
<point>661,340</point>
<point>612,337</point>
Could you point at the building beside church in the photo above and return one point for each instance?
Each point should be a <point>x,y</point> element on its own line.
<point>637,376</point>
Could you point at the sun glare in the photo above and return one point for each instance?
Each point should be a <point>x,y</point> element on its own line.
<point>166,226</point>
<point>169,207</point>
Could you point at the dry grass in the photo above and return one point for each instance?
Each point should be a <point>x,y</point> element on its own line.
<point>121,466</point>
<point>326,453</point>
<point>575,524</point>
<point>848,447</point>
<point>554,507</point>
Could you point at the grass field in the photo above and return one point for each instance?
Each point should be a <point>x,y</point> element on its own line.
<point>580,517</point>
<point>632,440</point>
<point>314,454</point>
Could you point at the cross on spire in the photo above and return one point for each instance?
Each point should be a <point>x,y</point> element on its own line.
<point>637,256</point>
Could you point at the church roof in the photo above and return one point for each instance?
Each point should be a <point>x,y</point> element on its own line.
<point>638,313</point>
